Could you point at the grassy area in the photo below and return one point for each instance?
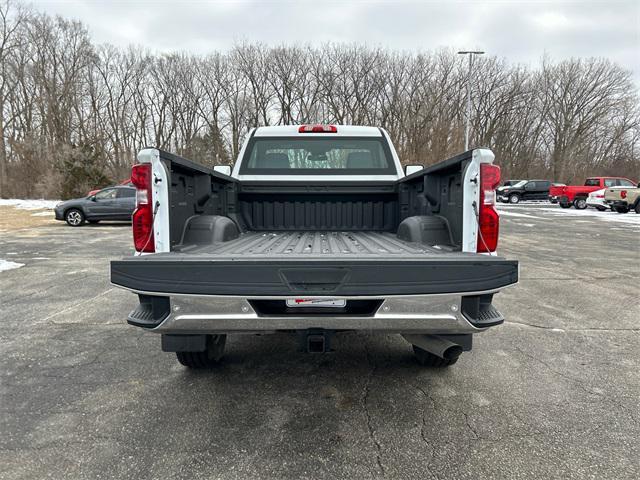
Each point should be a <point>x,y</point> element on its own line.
<point>12,218</point>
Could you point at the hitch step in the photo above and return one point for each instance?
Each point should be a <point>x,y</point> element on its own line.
<point>150,312</point>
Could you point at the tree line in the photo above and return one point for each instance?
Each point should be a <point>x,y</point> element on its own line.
<point>74,114</point>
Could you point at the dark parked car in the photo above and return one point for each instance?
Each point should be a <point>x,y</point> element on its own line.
<point>112,203</point>
<point>509,183</point>
<point>506,184</point>
<point>525,190</point>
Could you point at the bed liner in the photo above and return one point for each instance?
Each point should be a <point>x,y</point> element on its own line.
<point>315,244</point>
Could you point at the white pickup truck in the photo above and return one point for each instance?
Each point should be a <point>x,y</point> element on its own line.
<point>316,231</point>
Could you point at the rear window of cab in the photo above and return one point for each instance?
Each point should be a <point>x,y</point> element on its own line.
<point>317,156</point>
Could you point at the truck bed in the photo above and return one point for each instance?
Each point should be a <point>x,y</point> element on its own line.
<point>313,263</point>
<point>301,244</point>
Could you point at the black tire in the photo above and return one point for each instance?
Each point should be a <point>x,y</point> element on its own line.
<point>427,359</point>
<point>565,205</point>
<point>207,359</point>
<point>93,222</point>
<point>514,198</point>
<point>601,209</point>
<point>580,203</point>
<point>637,209</point>
<point>74,217</point>
<point>622,209</point>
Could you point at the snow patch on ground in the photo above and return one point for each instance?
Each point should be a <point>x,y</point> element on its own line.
<point>41,214</point>
<point>628,218</point>
<point>7,265</point>
<point>28,204</point>
<point>549,211</point>
<point>504,213</point>
<point>522,202</point>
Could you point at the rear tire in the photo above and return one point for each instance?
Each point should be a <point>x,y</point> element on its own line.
<point>601,209</point>
<point>207,359</point>
<point>622,210</point>
<point>580,203</point>
<point>427,359</point>
<point>637,209</point>
<point>74,217</point>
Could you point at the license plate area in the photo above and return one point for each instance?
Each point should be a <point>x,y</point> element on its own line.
<point>316,302</point>
<point>338,307</point>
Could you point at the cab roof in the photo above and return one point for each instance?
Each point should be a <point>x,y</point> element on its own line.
<point>292,131</point>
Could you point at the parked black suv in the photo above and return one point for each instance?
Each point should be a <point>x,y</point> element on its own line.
<point>525,190</point>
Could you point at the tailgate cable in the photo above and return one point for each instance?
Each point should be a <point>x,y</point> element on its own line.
<point>477,217</point>
<point>153,223</point>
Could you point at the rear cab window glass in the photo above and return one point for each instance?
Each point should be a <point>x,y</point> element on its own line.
<point>592,182</point>
<point>610,182</point>
<point>317,156</point>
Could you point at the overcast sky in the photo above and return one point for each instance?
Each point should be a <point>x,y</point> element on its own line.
<point>521,31</point>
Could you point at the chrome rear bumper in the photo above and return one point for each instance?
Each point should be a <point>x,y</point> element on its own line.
<point>436,314</point>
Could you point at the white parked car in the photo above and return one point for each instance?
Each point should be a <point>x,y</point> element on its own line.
<point>596,199</point>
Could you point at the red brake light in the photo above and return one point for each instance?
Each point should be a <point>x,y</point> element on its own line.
<point>488,218</point>
<point>142,218</point>
<point>141,179</point>
<point>623,194</point>
<point>318,129</point>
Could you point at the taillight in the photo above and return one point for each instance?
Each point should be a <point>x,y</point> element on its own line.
<point>599,196</point>
<point>488,218</point>
<point>623,194</point>
<point>318,129</point>
<point>143,214</point>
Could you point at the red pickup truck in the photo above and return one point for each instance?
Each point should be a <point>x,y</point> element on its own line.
<point>576,195</point>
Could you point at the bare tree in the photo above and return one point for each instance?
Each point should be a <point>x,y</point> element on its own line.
<point>581,95</point>
<point>75,114</point>
<point>12,20</point>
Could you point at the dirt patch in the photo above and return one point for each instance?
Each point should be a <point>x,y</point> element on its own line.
<point>12,218</point>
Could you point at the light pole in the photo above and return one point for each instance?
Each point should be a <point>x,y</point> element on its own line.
<point>471,53</point>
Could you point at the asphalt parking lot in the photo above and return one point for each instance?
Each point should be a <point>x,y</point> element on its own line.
<point>552,393</point>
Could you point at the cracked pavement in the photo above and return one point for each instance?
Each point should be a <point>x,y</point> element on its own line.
<point>552,393</point>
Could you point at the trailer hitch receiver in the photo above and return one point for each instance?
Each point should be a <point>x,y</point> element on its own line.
<point>315,340</point>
